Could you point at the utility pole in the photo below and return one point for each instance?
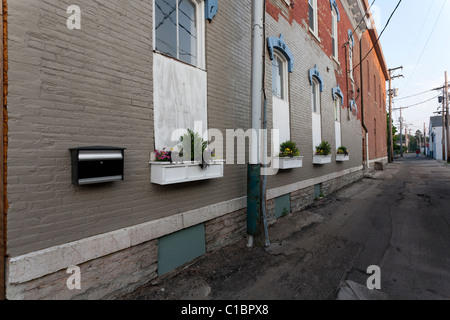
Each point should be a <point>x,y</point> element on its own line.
<point>391,94</point>
<point>446,117</point>
<point>424,140</point>
<point>401,133</point>
<point>444,99</point>
<point>406,139</point>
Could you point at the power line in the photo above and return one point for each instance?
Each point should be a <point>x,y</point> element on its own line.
<point>420,33</point>
<point>414,95</point>
<point>378,39</point>
<point>426,45</point>
<point>414,105</point>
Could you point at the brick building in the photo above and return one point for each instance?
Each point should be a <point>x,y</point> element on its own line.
<point>374,75</point>
<point>125,75</point>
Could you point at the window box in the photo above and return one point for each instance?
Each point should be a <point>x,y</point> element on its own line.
<point>165,173</point>
<point>321,159</point>
<point>342,157</point>
<point>288,163</point>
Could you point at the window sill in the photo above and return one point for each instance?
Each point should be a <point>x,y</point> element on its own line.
<point>315,35</point>
<point>178,60</point>
<point>288,163</point>
<point>342,158</point>
<point>336,60</point>
<point>165,173</point>
<point>321,159</point>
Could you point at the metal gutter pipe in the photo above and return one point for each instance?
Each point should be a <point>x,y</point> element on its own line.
<point>254,190</point>
<point>362,103</point>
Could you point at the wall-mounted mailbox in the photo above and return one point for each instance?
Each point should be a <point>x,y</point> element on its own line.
<point>91,165</point>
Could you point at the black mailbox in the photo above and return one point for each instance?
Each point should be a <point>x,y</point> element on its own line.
<point>92,165</point>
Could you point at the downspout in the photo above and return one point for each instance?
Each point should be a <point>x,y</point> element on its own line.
<point>264,143</point>
<point>254,189</point>
<point>4,145</point>
<point>362,103</point>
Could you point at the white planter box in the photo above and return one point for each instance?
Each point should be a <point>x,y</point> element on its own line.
<point>288,163</point>
<point>321,159</point>
<point>164,173</point>
<point>342,157</point>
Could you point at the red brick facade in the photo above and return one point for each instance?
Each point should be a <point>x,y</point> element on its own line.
<point>374,90</point>
<point>371,102</point>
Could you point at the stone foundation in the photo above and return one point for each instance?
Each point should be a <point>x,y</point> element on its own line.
<point>302,198</point>
<point>103,278</point>
<point>225,230</point>
<point>118,273</point>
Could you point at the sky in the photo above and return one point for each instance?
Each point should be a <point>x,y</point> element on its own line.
<point>417,39</point>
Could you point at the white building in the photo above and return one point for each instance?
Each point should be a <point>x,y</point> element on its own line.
<point>437,141</point>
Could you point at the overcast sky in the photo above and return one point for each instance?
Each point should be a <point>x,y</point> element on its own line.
<point>417,39</point>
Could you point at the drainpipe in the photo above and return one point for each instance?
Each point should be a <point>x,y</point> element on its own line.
<point>264,142</point>
<point>362,103</point>
<point>254,190</point>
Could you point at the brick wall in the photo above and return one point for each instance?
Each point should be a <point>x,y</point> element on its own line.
<point>374,86</point>
<point>72,88</point>
<point>94,87</point>
<point>308,52</point>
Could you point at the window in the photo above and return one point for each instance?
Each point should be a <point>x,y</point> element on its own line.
<point>337,109</point>
<point>313,16</point>
<point>375,136</point>
<point>334,33</point>
<point>315,97</point>
<point>379,93</point>
<point>280,101</point>
<point>316,114</point>
<point>375,87</point>
<point>279,74</point>
<point>337,121</point>
<point>177,29</point>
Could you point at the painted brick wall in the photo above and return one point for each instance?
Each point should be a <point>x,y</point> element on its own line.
<point>308,52</point>
<point>94,87</point>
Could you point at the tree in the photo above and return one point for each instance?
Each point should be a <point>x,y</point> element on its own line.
<point>394,135</point>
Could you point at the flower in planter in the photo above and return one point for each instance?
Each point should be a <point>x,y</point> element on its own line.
<point>198,147</point>
<point>163,155</point>
<point>324,149</point>
<point>289,149</point>
<point>342,150</point>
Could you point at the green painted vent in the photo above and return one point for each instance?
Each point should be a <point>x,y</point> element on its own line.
<point>282,205</point>
<point>317,191</point>
<point>181,247</point>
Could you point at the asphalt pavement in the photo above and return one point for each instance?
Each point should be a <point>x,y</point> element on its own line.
<point>390,230</point>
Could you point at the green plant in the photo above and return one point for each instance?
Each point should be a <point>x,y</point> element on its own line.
<point>289,149</point>
<point>342,150</point>
<point>194,142</point>
<point>323,149</point>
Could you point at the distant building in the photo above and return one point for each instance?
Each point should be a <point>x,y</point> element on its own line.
<point>437,140</point>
